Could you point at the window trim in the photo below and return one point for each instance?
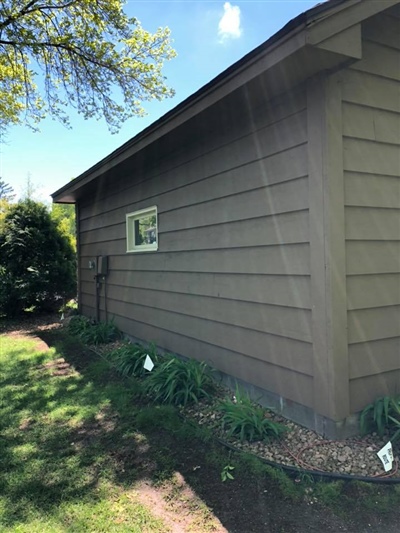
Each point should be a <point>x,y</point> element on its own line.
<point>131,246</point>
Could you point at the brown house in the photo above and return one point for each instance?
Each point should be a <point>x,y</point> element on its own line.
<point>257,225</point>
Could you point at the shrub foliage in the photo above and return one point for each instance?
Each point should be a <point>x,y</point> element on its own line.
<point>382,416</point>
<point>129,359</point>
<point>37,262</point>
<point>247,421</point>
<point>91,332</point>
<point>180,382</point>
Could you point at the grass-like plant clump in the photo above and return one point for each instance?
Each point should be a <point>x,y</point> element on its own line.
<point>129,359</point>
<point>91,332</point>
<point>245,420</point>
<point>180,382</point>
<point>383,415</point>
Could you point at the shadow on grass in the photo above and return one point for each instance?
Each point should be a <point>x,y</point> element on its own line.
<point>71,426</point>
<point>61,432</point>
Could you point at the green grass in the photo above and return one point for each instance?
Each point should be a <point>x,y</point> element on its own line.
<point>73,446</point>
<point>56,470</point>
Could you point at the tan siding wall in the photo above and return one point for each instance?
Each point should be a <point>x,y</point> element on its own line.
<point>230,281</point>
<point>371,155</point>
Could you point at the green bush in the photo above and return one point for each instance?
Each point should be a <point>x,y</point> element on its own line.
<point>246,420</point>
<point>180,382</point>
<point>37,262</point>
<point>129,359</point>
<point>91,332</point>
<point>383,415</point>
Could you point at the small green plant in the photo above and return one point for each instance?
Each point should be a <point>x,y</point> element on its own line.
<point>78,324</point>
<point>329,493</point>
<point>129,359</point>
<point>180,382</point>
<point>382,415</point>
<point>226,473</point>
<point>244,419</point>
<point>92,332</point>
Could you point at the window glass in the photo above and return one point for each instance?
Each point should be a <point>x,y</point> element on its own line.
<point>141,230</point>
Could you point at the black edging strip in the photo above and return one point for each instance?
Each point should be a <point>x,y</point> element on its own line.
<point>315,473</point>
<point>292,469</point>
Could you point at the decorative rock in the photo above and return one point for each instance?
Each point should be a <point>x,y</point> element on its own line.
<point>354,456</point>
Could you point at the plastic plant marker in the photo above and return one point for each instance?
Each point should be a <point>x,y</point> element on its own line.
<point>148,363</point>
<point>385,454</point>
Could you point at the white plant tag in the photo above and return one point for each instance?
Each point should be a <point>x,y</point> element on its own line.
<point>385,454</point>
<point>148,363</point>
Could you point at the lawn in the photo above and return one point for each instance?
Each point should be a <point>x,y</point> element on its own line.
<point>56,475</point>
<point>81,451</point>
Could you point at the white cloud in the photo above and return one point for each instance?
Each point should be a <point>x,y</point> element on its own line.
<point>229,25</point>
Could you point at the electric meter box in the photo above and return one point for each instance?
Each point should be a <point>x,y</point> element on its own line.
<point>102,265</point>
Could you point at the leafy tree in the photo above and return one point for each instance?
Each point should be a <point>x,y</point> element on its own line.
<point>90,54</point>
<point>64,216</point>
<point>6,191</point>
<point>37,262</point>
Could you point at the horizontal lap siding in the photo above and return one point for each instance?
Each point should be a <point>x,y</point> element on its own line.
<point>295,386</point>
<point>230,281</point>
<point>371,144</point>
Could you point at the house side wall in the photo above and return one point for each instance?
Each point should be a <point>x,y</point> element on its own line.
<point>371,157</point>
<point>230,282</point>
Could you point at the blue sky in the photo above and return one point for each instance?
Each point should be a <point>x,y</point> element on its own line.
<point>208,36</point>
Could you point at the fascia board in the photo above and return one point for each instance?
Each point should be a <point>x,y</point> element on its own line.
<point>331,22</point>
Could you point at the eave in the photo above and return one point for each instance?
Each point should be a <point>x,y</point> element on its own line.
<point>324,38</point>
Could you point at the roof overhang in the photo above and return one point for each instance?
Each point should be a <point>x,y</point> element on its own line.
<point>326,37</point>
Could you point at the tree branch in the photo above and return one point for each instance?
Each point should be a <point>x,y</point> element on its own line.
<point>20,14</point>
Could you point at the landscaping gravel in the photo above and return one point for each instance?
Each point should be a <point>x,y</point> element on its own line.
<point>304,449</point>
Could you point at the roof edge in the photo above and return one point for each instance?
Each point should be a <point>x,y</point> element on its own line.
<point>292,28</point>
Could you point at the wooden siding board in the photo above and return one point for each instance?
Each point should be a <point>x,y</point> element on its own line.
<point>215,127</point>
<point>371,157</point>
<point>372,257</point>
<point>285,260</point>
<point>277,199</point>
<point>292,385</point>
<point>281,228</point>
<point>277,320</point>
<point>274,349</point>
<point>272,171</point>
<point>360,122</point>
<point>257,146</point>
<point>370,90</point>
<point>371,190</point>
<point>373,324</point>
<point>373,291</point>
<point>370,223</point>
<point>290,291</point>
<point>366,389</point>
<point>372,61</point>
<point>292,196</point>
<point>374,357</point>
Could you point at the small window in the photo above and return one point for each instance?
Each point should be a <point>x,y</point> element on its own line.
<point>141,230</point>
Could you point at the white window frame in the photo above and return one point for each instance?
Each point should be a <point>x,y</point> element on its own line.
<point>131,218</point>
